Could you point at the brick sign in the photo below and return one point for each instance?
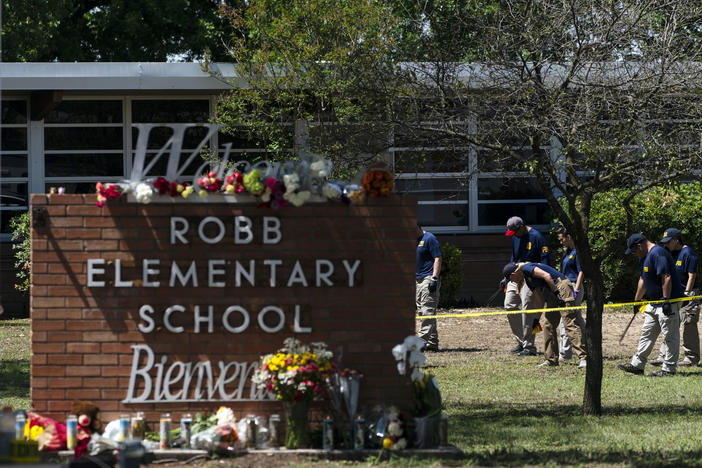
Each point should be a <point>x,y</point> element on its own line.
<point>167,307</point>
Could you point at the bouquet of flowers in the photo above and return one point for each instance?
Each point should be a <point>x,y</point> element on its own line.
<point>296,372</point>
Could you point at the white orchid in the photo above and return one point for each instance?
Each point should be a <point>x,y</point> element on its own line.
<point>401,367</point>
<point>414,343</point>
<point>417,375</point>
<point>410,358</point>
<point>399,351</point>
<point>416,359</point>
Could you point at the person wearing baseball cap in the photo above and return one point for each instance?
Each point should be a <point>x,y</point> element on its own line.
<point>658,280</point>
<point>528,245</point>
<point>686,265</point>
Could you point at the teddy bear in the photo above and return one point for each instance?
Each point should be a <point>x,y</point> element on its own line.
<point>88,423</point>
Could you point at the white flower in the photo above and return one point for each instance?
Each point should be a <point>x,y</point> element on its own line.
<point>416,375</point>
<point>401,367</point>
<point>399,351</point>
<point>414,342</point>
<point>298,198</point>
<point>400,444</point>
<point>416,359</point>
<point>319,168</point>
<point>291,182</point>
<point>225,416</point>
<point>395,429</point>
<point>144,193</point>
<point>266,195</point>
<point>331,191</point>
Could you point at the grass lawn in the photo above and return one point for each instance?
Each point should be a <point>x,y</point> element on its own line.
<point>14,363</point>
<point>503,410</point>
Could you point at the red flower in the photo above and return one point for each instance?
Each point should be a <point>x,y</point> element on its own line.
<point>161,184</point>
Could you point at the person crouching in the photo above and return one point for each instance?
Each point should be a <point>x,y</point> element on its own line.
<point>551,285</point>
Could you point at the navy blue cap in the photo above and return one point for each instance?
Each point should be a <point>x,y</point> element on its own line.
<point>670,234</point>
<point>509,269</point>
<point>633,240</point>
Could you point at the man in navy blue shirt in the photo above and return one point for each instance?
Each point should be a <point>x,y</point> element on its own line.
<point>528,245</point>
<point>570,267</point>
<point>428,284</point>
<point>686,265</point>
<point>659,282</point>
<point>548,284</point>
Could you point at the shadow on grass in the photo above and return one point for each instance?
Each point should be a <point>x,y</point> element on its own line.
<point>462,350</point>
<point>495,432</point>
<point>14,378</point>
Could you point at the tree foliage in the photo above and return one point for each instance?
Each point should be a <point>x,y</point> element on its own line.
<point>310,71</point>
<point>451,274</point>
<point>21,235</point>
<point>111,30</point>
<point>674,205</point>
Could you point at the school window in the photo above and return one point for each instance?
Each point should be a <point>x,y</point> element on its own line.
<point>83,144</point>
<point>14,162</point>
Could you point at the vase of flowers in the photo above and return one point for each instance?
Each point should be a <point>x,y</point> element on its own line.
<point>427,397</point>
<point>296,419</point>
<point>296,375</point>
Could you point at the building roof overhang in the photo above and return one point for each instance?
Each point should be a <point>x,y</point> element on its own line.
<point>123,76</point>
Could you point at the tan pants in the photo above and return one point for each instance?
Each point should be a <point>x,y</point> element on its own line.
<point>573,327</point>
<point>521,324</point>
<point>426,305</point>
<point>654,324</point>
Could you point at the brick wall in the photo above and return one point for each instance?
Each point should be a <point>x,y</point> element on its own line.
<point>82,336</point>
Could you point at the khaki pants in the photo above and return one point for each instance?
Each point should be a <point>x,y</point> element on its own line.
<point>689,316</point>
<point>655,323</point>
<point>565,350</point>
<point>522,325</point>
<point>573,329</point>
<point>426,305</point>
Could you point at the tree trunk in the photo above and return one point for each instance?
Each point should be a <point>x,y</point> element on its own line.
<point>592,398</point>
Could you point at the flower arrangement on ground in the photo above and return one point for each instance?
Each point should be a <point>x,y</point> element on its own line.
<point>395,432</point>
<point>410,360</point>
<point>427,397</point>
<point>296,374</point>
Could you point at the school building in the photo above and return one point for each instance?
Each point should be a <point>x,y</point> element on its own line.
<point>71,125</point>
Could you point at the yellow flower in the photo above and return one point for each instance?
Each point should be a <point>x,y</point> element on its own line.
<point>202,193</point>
<point>387,443</point>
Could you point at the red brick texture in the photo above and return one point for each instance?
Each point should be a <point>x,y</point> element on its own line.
<point>82,336</point>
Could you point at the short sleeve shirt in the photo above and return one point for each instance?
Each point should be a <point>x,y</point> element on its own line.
<point>685,262</point>
<point>532,281</point>
<point>530,248</point>
<point>659,262</point>
<point>427,250</point>
<point>571,266</point>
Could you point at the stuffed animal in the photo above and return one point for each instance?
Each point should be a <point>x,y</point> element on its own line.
<point>88,423</point>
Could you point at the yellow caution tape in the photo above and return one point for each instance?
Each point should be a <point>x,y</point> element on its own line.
<point>552,309</point>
